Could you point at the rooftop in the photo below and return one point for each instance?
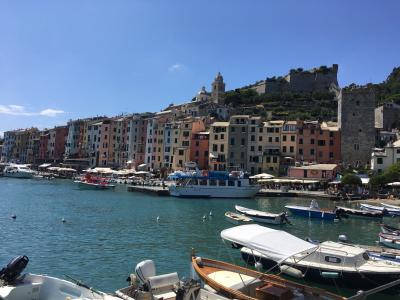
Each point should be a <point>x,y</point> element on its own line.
<point>322,167</point>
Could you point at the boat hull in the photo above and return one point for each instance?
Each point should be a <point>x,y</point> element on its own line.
<point>95,186</point>
<point>364,281</point>
<point>212,192</point>
<point>311,213</point>
<point>237,219</point>
<point>362,214</point>
<point>22,175</point>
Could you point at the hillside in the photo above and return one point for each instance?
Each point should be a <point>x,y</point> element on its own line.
<point>305,105</point>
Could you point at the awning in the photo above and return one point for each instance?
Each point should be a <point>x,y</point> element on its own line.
<point>394,183</point>
<point>66,170</point>
<point>53,168</point>
<point>276,244</point>
<point>289,180</point>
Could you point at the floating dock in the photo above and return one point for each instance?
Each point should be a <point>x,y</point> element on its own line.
<point>159,191</point>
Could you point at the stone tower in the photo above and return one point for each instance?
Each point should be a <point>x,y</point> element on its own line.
<point>218,89</point>
<point>356,120</point>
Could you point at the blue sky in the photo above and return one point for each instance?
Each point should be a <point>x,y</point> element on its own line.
<point>62,60</point>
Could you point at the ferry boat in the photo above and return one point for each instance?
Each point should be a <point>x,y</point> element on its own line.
<point>18,171</point>
<point>215,184</point>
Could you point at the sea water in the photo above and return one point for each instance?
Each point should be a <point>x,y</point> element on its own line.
<point>106,233</point>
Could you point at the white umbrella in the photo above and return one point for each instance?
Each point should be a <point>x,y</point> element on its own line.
<point>262,176</point>
<point>397,183</point>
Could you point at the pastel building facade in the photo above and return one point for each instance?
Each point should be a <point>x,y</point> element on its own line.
<point>382,159</point>
<point>219,146</point>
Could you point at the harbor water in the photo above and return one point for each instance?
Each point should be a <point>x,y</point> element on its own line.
<point>106,233</point>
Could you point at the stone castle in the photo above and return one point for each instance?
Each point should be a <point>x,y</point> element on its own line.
<point>320,79</point>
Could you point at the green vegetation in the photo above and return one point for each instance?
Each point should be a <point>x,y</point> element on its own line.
<point>390,175</point>
<point>291,106</point>
<point>389,90</point>
<point>351,179</point>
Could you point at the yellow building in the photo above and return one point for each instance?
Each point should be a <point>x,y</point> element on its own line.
<point>218,146</point>
<point>272,148</point>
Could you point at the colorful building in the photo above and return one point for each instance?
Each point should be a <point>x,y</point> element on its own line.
<point>218,146</point>
<point>199,149</point>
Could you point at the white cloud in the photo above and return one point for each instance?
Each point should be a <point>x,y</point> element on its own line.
<point>176,67</point>
<point>1,134</point>
<point>18,110</point>
<point>51,112</point>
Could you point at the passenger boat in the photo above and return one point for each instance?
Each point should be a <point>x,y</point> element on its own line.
<point>312,211</point>
<point>327,262</point>
<point>214,185</point>
<point>359,213</point>
<point>18,171</point>
<point>237,219</point>
<point>389,240</point>
<point>94,183</point>
<point>390,229</point>
<point>385,210</point>
<point>236,282</point>
<point>263,217</point>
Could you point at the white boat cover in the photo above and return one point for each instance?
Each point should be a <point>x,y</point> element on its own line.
<point>278,245</point>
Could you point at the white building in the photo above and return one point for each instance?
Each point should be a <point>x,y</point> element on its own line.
<point>382,159</point>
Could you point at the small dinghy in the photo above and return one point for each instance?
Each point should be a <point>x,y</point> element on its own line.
<point>390,229</point>
<point>263,217</point>
<point>237,219</point>
<point>391,206</point>
<point>385,210</point>
<point>389,240</point>
<point>359,213</point>
<point>312,211</point>
<point>244,284</point>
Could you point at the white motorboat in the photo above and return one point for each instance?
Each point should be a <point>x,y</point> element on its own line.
<point>15,286</point>
<point>237,219</point>
<point>213,185</point>
<point>385,210</point>
<point>18,171</point>
<point>389,240</point>
<point>263,217</point>
<point>326,262</point>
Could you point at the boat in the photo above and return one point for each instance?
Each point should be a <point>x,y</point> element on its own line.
<point>213,184</point>
<point>328,262</point>
<point>94,183</point>
<point>390,206</point>
<point>390,229</point>
<point>15,286</point>
<point>263,217</point>
<point>359,213</point>
<point>312,211</point>
<point>237,219</point>
<point>389,240</point>
<point>236,282</point>
<point>18,171</point>
<point>385,210</point>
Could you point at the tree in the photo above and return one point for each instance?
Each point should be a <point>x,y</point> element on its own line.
<point>392,174</point>
<point>351,179</point>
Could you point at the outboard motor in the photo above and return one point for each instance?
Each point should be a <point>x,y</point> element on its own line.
<point>14,268</point>
<point>343,239</point>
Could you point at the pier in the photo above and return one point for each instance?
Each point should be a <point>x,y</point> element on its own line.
<point>157,190</point>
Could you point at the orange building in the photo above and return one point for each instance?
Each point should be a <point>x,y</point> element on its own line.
<point>199,149</point>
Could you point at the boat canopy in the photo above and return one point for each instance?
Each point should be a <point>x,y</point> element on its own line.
<point>275,244</point>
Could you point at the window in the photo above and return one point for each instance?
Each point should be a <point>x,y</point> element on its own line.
<point>284,149</point>
<point>253,129</point>
<point>300,141</point>
<point>253,138</point>
<point>243,129</point>
<point>197,153</point>
<point>274,159</point>
<point>241,155</point>
<point>321,142</point>
<point>331,142</point>
<point>243,142</point>
<point>232,129</point>
<point>222,136</point>
<point>284,138</point>
<point>270,139</point>
<point>312,141</point>
<point>260,149</point>
<point>312,151</point>
<point>232,155</point>
<point>277,139</point>
<point>216,137</point>
<point>356,147</point>
<point>277,130</point>
<point>301,151</point>
<point>260,138</point>
<point>232,141</point>
<point>268,159</point>
<point>320,153</point>
<point>291,149</point>
<point>358,102</point>
<point>293,138</point>
<point>379,161</point>
<point>330,154</point>
<point>251,148</point>
<point>312,131</point>
<point>261,131</point>
<point>215,147</point>
<point>222,147</point>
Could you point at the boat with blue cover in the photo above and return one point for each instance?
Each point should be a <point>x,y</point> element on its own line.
<point>213,184</point>
<point>312,211</point>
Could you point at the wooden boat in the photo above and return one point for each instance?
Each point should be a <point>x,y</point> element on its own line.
<point>263,217</point>
<point>385,210</point>
<point>389,240</point>
<point>237,219</point>
<point>390,229</point>
<point>312,211</point>
<point>359,213</point>
<point>236,282</point>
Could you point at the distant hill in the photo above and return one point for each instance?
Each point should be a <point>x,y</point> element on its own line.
<point>389,90</point>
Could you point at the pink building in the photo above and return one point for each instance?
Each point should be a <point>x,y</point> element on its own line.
<point>318,171</point>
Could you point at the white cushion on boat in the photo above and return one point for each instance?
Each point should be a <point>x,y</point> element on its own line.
<point>231,279</point>
<point>165,296</point>
<point>164,280</point>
